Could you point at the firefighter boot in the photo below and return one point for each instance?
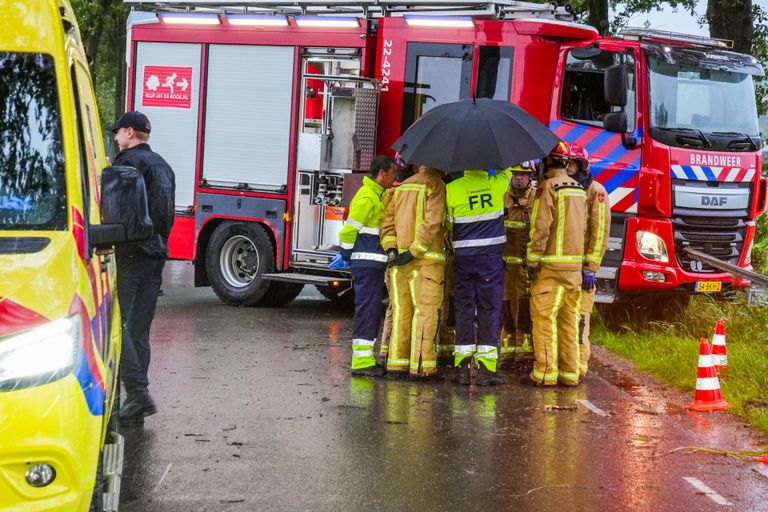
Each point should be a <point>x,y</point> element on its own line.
<point>486,377</point>
<point>463,378</point>
<point>138,403</point>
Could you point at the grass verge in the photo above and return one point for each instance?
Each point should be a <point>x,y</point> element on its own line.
<point>670,351</point>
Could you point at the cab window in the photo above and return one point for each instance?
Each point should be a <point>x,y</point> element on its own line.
<point>434,74</point>
<point>582,95</point>
<point>494,72</point>
<point>32,179</point>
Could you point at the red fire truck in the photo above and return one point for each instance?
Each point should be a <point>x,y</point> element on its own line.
<point>270,113</point>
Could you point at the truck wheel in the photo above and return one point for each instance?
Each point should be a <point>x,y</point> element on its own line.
<point>238,254</point>
<point>342,295</point>
<point>280,294</point>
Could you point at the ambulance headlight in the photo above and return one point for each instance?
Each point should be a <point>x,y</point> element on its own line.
<point>651,246</point>
<point>39,355</point>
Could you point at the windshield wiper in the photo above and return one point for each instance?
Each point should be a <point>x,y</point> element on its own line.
<point>743,135</point>
<point>693,131</point>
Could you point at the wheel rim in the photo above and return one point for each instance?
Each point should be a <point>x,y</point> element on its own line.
<point>239,261</point>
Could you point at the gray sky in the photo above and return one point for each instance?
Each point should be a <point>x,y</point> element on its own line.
<point>680,21</point>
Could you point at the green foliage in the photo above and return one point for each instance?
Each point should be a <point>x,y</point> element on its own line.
<point>670,351</point>
<point>760,51</point>
<point>102,27</point>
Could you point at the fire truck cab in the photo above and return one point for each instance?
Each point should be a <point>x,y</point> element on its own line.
<point>270,114</point>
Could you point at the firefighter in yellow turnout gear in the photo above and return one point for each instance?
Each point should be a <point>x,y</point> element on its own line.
<point>595,242</point>
<point>413,235</point>
<point>517,205</point>
<point>554,260</point>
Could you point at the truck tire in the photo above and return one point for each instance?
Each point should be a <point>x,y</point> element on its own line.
<point>280,293</point>
<point>238,254</point>
<point>338,295</point>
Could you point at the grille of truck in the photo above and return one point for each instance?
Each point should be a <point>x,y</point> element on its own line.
<point>721,237</point>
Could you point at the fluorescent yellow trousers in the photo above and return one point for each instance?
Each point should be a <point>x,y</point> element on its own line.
<point>417,293</point>
<point>556,311</point>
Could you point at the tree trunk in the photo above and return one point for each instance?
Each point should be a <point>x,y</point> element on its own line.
<point>598,16</point>
<point>119,35</point>
<point>731,19</point>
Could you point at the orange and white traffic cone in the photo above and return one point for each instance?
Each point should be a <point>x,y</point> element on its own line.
<point>719,356</point>
<point>708,394</point>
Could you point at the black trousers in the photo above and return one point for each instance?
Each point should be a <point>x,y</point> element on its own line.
<point>138,284</point>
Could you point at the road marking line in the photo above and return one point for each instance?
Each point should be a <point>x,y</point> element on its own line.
<point>592,407</point>
<point>160,482</point>
<point>705,489</point>
<point>762,470</point>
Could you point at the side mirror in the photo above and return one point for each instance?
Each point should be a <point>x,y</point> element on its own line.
<point>615,122</point>
<point>124,209</point>
<point>615,85</point>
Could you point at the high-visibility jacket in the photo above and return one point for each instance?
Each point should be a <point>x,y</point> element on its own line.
<point>415,217</point>
<point>558,223</point>
<point>476,211</point>
<point>598,225</point>
<point>517,223</point>
<point>359,238</point>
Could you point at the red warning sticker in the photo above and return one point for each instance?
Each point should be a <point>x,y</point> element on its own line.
<point>167,86</point>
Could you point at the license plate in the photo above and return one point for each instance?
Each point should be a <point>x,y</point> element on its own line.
<point>708,286</point>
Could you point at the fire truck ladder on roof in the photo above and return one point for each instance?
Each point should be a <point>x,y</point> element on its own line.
<point>498,9</point>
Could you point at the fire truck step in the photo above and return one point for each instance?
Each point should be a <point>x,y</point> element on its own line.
<point>295,277</point>
<point>113,472</point>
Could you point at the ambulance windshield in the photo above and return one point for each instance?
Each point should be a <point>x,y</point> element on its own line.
<point>32,184</point>
<point>685,97</point>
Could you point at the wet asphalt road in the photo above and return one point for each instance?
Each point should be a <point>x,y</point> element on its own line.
<point>258,412</point>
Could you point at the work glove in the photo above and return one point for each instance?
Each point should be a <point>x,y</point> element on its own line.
<point>532,271</point>
<point>403,258</point>
<point>391,256</point>
<point>587,280</point>
<point>338,263</point>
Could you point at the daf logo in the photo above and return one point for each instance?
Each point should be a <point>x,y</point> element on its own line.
<point>714,200</point>
<point>696,266</point>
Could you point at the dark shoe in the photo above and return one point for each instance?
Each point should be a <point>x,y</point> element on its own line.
<point>396,375</point>
<point>463,377</point>
<point>488,378</point>
<point>371,371</point>
<point>138,404</point>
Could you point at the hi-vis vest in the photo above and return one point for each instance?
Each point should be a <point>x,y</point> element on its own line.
<point>558,223</point>
<point>476,212</point>
<point>359,238</point>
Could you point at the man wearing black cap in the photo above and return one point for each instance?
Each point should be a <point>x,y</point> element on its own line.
<point>140,265</point>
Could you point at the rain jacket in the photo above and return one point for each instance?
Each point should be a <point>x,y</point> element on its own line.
<point>414,220</point>
<point>558,223</point>
<point>598,225</point>
<point>517,223</point>
<point>359,238</point>
<point>160,183</point>
<point>476,212</point>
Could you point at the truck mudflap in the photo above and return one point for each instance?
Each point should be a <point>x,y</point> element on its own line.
<point>112,462</point>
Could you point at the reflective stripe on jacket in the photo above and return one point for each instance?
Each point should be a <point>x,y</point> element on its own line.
<point>359,238</point>
<point>415,216</point>
<point>517,223</point>
<point>476,211</point>
<point>558,223</point>
<point>598,225</point>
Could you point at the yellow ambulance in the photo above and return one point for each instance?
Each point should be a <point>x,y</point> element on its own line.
<point>59,318</point>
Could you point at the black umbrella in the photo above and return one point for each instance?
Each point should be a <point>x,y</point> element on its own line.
<point>475,134</point>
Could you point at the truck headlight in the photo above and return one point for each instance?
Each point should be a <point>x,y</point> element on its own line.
<point>39,355</point>
<point>651,246</point>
